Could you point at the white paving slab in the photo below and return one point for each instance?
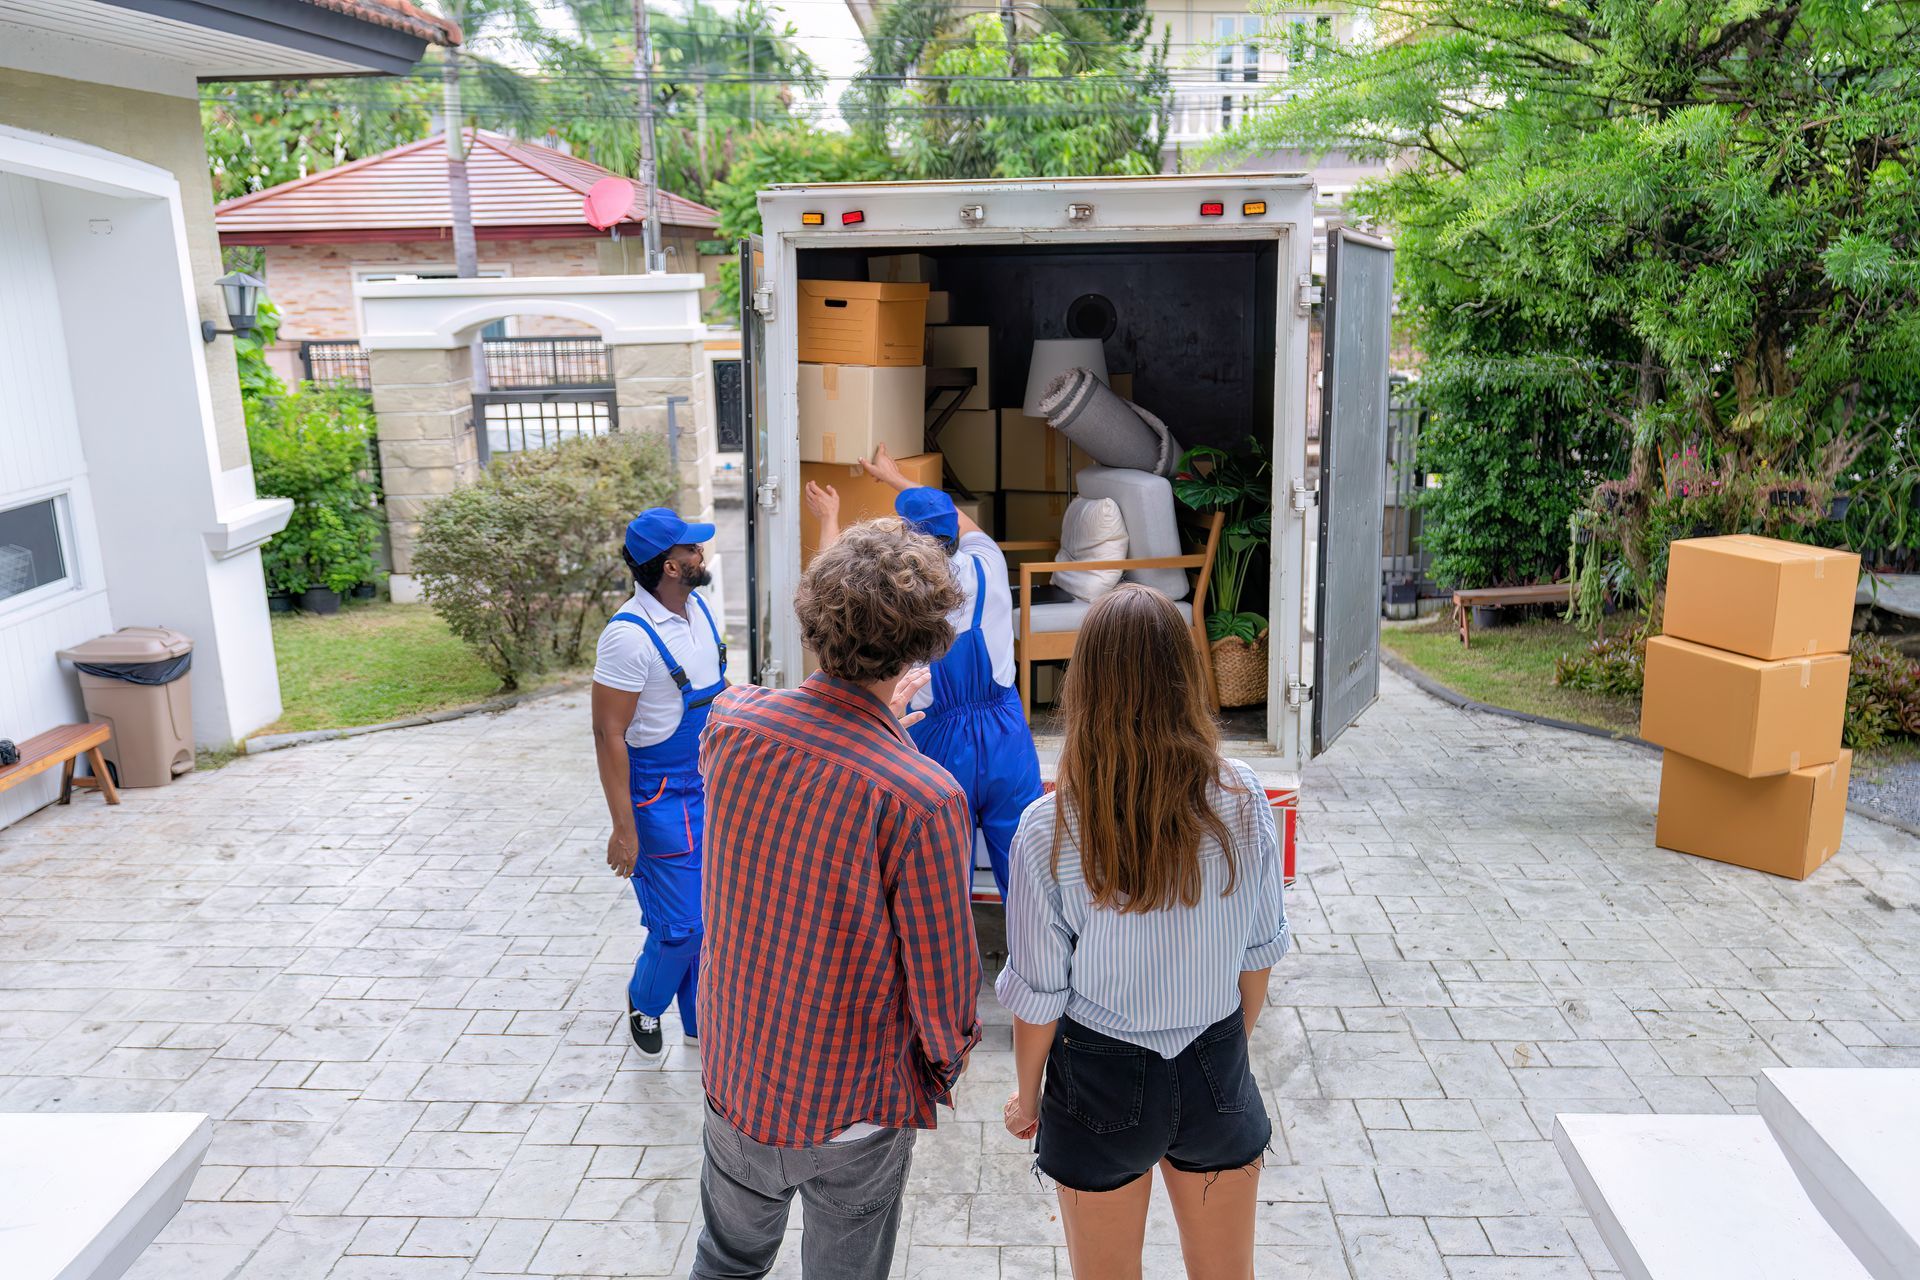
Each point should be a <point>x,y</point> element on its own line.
<point>1853,1137</point>
<point>1698,1198</point>
<point>82,1195</point>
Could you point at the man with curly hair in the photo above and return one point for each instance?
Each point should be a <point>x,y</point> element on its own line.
<point>841,974</point>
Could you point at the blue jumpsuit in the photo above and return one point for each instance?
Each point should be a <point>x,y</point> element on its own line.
<point>669,815</point>
<point>975,728</point>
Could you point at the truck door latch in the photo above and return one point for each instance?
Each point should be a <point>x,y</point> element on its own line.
<point>1299,692</point>
<point>1306,293</point>
<point>768,495</point>
<point>1305,497</point>
<point>763,301</point>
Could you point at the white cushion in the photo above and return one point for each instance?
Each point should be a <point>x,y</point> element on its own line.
<point>1092,530</point>
<point>1069,614</point>
<point>1153,529</point>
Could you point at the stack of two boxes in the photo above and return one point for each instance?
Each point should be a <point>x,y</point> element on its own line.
<point>863,384</point>
<point>1747,691</point>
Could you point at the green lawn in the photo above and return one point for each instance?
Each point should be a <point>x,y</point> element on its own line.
<point>371,663</point>
<point>1510,667</point>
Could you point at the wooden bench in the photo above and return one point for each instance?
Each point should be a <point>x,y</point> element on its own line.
<point>64,746</point>
<point>1505,598</point>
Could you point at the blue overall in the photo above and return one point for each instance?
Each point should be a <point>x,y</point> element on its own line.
<point>669,815</point>
<point>975,728</point>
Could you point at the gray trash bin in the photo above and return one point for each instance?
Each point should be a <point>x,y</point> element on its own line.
<point>138,680</point>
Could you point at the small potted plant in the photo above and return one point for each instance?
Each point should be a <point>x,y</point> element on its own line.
<point>1241,485</point>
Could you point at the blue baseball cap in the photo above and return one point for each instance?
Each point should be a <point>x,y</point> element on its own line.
<point>930,511</point>
<point>658,528</point>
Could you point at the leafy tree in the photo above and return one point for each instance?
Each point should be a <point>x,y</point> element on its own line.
<point>1696,218</point>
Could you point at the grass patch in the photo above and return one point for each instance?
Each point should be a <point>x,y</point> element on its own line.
<point>369,664</point>
<point>1511,667</point>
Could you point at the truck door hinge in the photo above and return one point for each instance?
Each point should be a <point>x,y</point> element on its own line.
<point>763,301</point>
<point>1299,692</point>
<point>1305,294</point>
<point>768,495</point>
<point>1305,497</point>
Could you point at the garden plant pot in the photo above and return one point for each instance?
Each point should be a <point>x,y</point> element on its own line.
<point>1240,671</point>
<point>279,602</point>
<point>320,600</point>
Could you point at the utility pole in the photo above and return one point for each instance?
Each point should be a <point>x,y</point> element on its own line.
<point>649,171</point>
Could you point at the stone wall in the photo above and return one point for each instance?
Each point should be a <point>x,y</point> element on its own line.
<point>424,400</point>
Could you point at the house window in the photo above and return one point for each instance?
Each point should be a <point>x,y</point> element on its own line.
<point>32,552</point>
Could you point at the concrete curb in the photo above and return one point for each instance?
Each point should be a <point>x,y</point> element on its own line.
<point>281,741</point>
<point>1427,685</point>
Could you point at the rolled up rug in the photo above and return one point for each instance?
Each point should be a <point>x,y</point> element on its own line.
<point>1107,427</point>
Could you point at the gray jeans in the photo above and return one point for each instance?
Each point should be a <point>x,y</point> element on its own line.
<point>850,1193</point>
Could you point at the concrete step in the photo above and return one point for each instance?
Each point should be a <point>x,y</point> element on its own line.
<point>1852,1134</point>
<point>1698,1198</point>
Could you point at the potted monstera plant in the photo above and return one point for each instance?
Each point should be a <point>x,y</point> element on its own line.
<point>1241,485</point>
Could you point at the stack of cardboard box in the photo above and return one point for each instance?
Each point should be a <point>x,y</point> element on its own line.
<point>863,384</point>
<point>1747,691</point>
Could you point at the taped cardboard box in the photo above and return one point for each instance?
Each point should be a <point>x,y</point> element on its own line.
<point>850,322</point>
<point>902,268</point>
<point>970,442</point>
<point>1760,596</point>
<point>1034,517</point>
<point>1787,825</point>
<point>861,498</point>
<point>965,346</point>
<point>848,409</point>
<point>1035,457</point>
<point>1757,719</point>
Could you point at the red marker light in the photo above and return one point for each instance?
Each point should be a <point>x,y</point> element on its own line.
<point>1212,209</point>
<point>852,218</point>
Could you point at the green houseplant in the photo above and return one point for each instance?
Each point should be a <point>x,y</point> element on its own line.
<point>1240,486</point>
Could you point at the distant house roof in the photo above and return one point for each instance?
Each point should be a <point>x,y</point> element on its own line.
<point>518,191</point>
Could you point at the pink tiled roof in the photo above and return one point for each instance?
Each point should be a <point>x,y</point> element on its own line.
<point>512,185</point>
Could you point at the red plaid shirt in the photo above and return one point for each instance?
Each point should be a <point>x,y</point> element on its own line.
<point>839,974</point>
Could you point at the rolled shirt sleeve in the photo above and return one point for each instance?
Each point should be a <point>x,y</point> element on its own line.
<point>1270,936</point>
<point>1036,982</point>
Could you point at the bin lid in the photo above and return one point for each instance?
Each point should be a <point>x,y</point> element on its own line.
<point>131,644</point>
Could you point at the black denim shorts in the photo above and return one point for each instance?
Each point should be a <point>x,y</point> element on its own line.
<point>1111,1110</point>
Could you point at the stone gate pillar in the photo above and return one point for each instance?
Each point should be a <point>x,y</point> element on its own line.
<point>423,400</point>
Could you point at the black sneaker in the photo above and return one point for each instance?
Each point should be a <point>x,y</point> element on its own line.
<point>645,1029</point>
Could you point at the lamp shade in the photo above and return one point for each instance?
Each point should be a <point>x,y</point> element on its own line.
<point>241,293</point>
<point>1053,357</point>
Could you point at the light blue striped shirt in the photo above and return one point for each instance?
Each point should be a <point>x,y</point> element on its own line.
<point>1157,978</point>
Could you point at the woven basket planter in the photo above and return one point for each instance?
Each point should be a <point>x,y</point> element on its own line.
<point>1240,671</point>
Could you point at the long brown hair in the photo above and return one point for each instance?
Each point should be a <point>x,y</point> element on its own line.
<point>1141,757</point>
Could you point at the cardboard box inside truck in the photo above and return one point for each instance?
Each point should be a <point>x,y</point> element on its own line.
<point>861,498</point>
<point>1741,714</point>
<point>1760,596</point>
<point>1787,825</point>
<point>846,410</point>
<point>853,322</point>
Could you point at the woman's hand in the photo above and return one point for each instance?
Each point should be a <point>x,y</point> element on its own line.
<point>1022,1117</point>
<point>916,679</point>
<point>884,469</point>
<point>823,501</point>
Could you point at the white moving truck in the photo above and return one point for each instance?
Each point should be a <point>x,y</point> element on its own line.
<point>1203,289</point>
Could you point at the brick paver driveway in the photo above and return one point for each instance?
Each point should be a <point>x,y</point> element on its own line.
<point>391,969</point>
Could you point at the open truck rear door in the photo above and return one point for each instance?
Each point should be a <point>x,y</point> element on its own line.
<point>762,496</point>
<point>1357,330</point>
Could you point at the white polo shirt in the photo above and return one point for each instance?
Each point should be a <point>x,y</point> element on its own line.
<point>996,619</point>
<point>627,660</point>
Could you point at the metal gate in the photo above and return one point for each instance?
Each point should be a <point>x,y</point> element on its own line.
<point>543,391</point>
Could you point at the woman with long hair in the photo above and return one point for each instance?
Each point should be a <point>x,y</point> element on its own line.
<point>1144,915</point>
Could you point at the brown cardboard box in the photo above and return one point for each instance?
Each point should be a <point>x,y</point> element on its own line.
<point>979,510</point>
<point>939,308</point>
<point>1761,597</point>
<point>1750,717</point>
<point>1035,517</point>
<point>861,498</point>
<point>964,346</point>
<point>848,409</point>
<point>847,322</point>
<point>970,443</point>
<point>902,268</point>
<point>1787,825</point>
<point>1035,457</point>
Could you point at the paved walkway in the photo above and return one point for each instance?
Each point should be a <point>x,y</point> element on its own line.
<point>391,968</point>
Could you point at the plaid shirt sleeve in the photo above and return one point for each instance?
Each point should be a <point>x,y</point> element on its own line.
<point>927,897</point>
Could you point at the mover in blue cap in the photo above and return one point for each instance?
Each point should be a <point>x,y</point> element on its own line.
<point>655,677</point>
<point>974,725</point>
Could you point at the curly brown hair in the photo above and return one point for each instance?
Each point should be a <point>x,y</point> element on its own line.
<point>876,602</point>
